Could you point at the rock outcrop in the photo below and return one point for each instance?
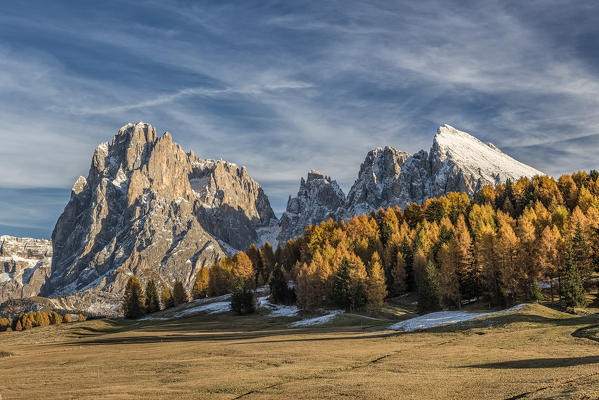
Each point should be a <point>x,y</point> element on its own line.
<point>149,209</point>
<point>378,181</point>
<point>24,266</point>
<point>318,199</point>
<point>456,162</point>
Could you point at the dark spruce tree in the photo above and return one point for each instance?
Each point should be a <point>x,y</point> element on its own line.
<point>179,294</point>
<point>279,290</point>
<point>428,289</point>
<point>243,298</point>
<point>133,302</point>
<point>572,286</point>
<point>341,294</point>
<point>152,300</point>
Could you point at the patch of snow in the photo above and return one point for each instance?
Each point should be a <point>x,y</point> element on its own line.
<point>211,308</point>
<point>277,310</point>
<point>211,305</point>
<point>5,277</point>
<point>317,320</point>
<point>269,234</point>
<point>227,248</point>
<point>442,318</point>
<point>120,180</point>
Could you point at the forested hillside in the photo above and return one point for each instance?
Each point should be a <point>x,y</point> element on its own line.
<point>525,240</point>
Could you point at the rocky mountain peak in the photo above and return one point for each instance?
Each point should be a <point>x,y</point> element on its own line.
<point>314,175</point>
<point>149,208</point>
<point>24,266</point>
<point>318,199</point>
<point>376,185</point>
<point>464,163</point>
<point>456,162</point>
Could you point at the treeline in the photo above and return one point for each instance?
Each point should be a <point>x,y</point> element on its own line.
<point>34,319</point>
<point>509,243</point>
<point>137,302</point>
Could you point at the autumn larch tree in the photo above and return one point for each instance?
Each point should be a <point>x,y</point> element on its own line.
<point>200,287</point>
<point>399,276</point>
<point>376,289</point>
<point>167,297</point>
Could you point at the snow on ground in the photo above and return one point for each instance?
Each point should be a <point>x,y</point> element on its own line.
<point>277,310</point>
<point>5,277</point>
<point>317,320</point>
<point>211,305</point>
<point>211,308</point>
<point>444,318</point>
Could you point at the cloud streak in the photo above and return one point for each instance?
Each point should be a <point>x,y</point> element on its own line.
<point>286,87</point>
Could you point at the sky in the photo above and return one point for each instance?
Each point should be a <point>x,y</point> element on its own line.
<point>284,87</point>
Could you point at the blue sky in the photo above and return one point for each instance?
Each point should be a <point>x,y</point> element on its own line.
<point>284,87</point>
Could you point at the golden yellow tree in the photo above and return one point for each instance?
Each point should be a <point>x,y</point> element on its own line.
<point>201,285</point>
<point>449,285</point>
<point>549,255</point>
<point>244,269</point>
<point>376,287</point>
<point>505,249</point>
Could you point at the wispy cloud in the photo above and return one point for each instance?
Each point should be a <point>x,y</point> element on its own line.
<point>284,87</point>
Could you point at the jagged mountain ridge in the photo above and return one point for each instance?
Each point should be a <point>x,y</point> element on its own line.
<point>149,209</point>
<point>456,162</point>
<point>24,266</point>
<point>318,199</point>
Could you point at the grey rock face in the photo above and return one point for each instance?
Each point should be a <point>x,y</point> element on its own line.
<point>377,184</point>
<point>149,209</point>
<point>24,266</point>
<point>318,199</point>
<point>456,162</point>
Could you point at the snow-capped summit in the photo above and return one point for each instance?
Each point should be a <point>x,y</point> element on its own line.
<point>456,162</point>
<point>475,159</point>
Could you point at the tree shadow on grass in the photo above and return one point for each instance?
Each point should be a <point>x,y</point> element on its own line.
<point>229,327</point>
<point>270,336</point>
<point>225,327</point>
<point>534,363</point>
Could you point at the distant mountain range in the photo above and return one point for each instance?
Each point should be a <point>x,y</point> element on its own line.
<point>148,208</point>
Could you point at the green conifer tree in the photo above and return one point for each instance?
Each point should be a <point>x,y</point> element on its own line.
<point>133,301</point>
<point>428,289</point>
<point>152,300</point>
<point>279,290</point>
<point>341,294</point>
<point>572,288</point>
<point>243,298</point>
<point>179,294</point>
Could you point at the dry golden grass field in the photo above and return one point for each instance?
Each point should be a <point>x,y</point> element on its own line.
<point>534,353</point>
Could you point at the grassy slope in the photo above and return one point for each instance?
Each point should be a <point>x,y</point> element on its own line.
<point>531,353</point>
